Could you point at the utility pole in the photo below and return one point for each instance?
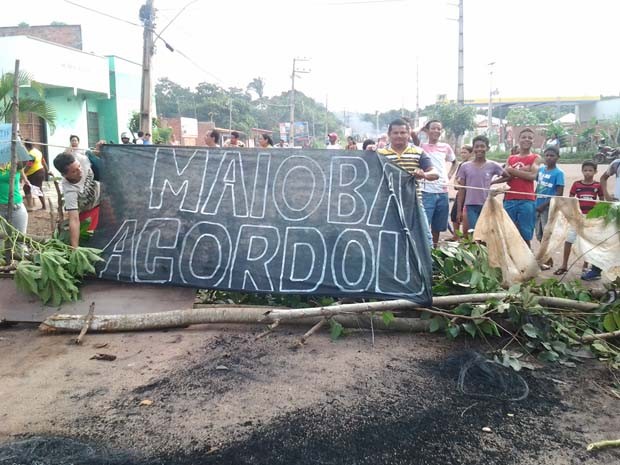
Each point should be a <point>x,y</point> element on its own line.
<point>147,16</point>
<point>326,115</point>
<point>295,71</point>
<point>490,115</point>
<point>460,93</point>
<point>229,114</point>
<point>417,93</point>
<point>377,122</point>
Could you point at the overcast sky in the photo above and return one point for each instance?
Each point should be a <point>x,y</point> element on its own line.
<point>363,53</point>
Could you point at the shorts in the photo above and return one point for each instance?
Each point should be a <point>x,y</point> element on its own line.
<point>523,214</point>
<point>93,215</point>
<point>473,213</point>
<point>437,207</point>
<point>36,179</point>
<point>542,218</point>
<point>571,237</point>
<point>453,211</point>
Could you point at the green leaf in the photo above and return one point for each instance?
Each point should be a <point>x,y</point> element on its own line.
<point>616,315</point>
<point>470,328</point>
<point>599,210</point>
<point>559,346</point>
<point>387,318</point>
<point>530,330</point>
<point>600,347</point>
<point>335,329</point>
<point>454,331</point>
<point>475,279</point>
<point>434,324</point>
<point>609,322</point>
<point>548,356</point>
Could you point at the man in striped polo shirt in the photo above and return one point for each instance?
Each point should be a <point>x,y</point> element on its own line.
<point>411,158</point>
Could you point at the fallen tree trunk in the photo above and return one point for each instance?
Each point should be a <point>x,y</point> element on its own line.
<point>224,315</point>
<point>183,318</point>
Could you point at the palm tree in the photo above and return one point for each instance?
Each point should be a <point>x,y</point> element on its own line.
<point>258,86</point>
<point>37,106</point>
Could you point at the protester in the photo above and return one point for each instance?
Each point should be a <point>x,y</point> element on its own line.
<point>411,159</point>
<point>550,182</point>
<point>466,154</point>
<point>146,140</point>
<point>587,190</point>
<point>81,193</point>
<point>265,141</point>
<point>435,193</point>
<point>234,141</point>
<point>382,142</point>
<point>75,145</point>
<point>476,176</point>
<point>93,157</point>
<point>612,170</point>
<point>520,200</point>
<point>140,139</point>
<point>19,217</point>
<point>212,138</point>
<point>333,142</point>
<point>351,144</point>
<point>35,172</point>
<point>369,144</point>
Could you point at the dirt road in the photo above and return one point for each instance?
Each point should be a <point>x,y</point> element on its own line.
<point>215,395</point>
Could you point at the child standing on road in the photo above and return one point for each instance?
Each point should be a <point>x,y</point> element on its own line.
<point>466,155</point>
<point>522,170</point>
<point>477,173</point>
<point>587,190</point>
<point>550,182</point>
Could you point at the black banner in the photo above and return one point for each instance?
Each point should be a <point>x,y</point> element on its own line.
<point>277,221</point>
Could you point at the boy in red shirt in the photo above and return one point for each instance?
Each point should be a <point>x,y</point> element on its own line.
<point>520,201</point>
<point>587,191</point>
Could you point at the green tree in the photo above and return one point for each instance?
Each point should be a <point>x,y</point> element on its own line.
<point>34,103</point>
<point>455,118</point>
<point>522,117</point>
<point>257,85</point>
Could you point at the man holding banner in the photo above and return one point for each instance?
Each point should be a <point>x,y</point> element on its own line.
<point>81,192</point>
<point>411,159</point>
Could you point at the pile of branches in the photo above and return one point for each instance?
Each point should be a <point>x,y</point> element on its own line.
<point>553,320</point>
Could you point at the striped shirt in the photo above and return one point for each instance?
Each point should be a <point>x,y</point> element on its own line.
<point>410,160</point>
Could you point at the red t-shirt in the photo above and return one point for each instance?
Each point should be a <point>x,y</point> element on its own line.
<point>523,189</point>
<point>586,193</point>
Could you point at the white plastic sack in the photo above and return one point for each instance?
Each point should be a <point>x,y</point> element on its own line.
<point>507,249</point>
<point>596,242</point>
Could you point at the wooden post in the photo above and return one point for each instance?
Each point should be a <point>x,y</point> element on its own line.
<point>15,128</point>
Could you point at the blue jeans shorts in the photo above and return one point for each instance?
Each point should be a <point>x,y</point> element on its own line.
<point>523,215</point>
<point>437,208</point>
<point>473,213</point>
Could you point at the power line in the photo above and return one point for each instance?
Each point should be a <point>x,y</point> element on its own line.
<point>104,14</point>
<point>158,34</point>
<point>177,15</point>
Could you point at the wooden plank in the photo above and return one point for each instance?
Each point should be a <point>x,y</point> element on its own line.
<point>111,298</point>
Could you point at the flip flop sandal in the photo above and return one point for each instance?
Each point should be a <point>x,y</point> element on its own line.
<point>560,271</point>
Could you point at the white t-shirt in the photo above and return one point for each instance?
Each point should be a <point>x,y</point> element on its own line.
<point>440,153</point>
<point>83,195</point>
<point>333,147</point>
